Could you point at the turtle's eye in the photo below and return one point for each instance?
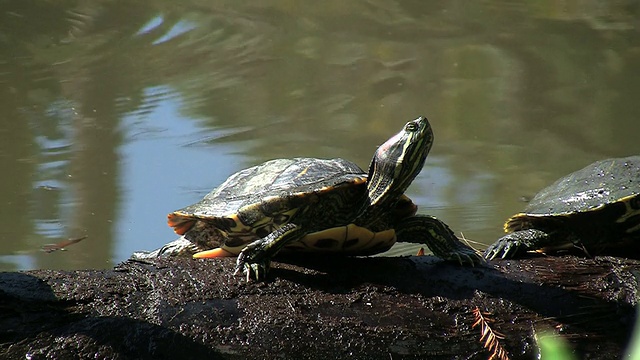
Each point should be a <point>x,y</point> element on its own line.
<point>412,126</point>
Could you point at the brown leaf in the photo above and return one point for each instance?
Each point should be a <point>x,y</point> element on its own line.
<point>49,248</point>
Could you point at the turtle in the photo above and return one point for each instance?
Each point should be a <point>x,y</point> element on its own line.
<point>595,209</point>
<point>320,206</point>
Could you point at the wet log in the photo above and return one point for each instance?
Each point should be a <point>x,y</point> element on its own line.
<point>319,308</point>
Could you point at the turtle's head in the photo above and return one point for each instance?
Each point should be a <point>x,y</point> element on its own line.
<point>398,161</point>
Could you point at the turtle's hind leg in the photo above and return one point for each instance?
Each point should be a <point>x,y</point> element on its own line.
<point>428,230</point>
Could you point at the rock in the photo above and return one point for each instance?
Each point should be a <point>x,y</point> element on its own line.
<point>317,308</point>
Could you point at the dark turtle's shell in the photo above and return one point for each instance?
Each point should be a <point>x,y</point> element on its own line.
<point>595,187</point>
<point>254,202</point>
<point>276,180</point>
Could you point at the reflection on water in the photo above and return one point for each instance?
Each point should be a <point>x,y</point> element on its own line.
<point>115,115</point>
<point>166,165</point>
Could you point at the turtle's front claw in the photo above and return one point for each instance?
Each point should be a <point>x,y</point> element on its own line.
<point>254,269</point>
<point>498,250</point>
<point>468,258</point>
<point>504,250</point>
<point>515,244</point>
<point>473,260</point>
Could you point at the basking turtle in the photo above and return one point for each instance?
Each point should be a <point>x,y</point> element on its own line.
<point>319,206</point>
<point>594,209</point>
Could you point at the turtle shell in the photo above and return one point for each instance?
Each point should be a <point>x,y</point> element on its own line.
<point>603,184</point>
<point>254,202</point>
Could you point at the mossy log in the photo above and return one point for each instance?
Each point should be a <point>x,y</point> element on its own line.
<point>318,308</point>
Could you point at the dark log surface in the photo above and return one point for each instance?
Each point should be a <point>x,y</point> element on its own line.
<point>322,308</point>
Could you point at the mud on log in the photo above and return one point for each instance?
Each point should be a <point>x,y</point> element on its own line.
<point>358,308</point>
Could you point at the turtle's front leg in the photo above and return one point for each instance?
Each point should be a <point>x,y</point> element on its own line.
<point>255,259</point>
<point>517,243</point>
<point>514,244</point>
<point>428,230</point>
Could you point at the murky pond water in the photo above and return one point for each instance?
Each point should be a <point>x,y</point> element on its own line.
<point>115,114</point>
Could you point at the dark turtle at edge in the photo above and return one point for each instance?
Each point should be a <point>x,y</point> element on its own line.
<point>595,209</point>
<point>319,206</point>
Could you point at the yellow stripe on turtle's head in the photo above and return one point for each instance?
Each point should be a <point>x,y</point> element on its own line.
<point>399,160</point>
